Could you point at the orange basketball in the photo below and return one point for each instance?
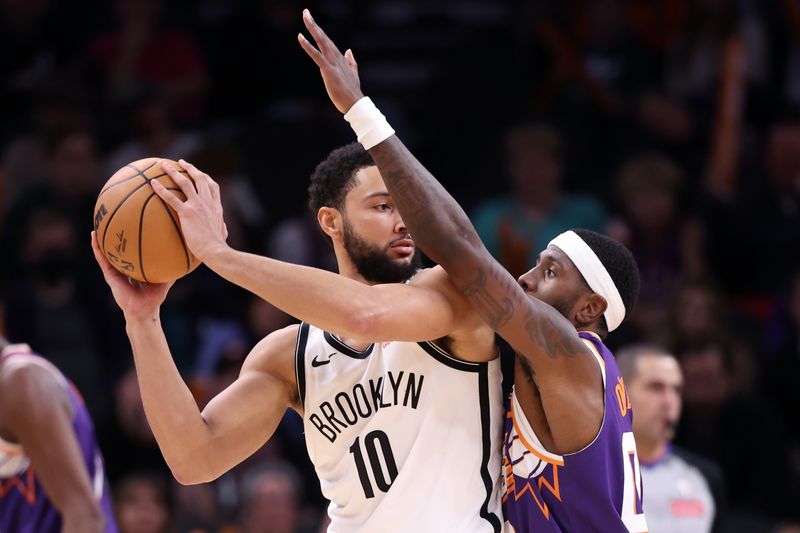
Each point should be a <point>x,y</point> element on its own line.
<point>136,230</point>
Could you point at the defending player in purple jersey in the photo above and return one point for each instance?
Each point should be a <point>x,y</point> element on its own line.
<point>51,470</point>
<point>596,489</point>
<point>564,382</point>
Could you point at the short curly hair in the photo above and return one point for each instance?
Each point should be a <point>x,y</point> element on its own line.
<point>334,177</point>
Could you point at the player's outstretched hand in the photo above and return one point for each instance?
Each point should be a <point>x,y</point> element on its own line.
<point>339,71</point>
<point>201,217</point>
<point>138,301</point>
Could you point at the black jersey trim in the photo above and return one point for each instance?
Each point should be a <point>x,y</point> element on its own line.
<point>447,359</point>
<point>482,369</point>
<point>486,444</point>
<point>300,361</point>
<point>345,349</point>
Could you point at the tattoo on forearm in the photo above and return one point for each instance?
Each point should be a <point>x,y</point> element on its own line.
<point>440,227</point>
<point>434,218</point>
<point>496,312</point>
<point>543,332</point>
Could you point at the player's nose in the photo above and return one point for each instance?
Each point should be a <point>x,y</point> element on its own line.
<point>527,281</point>
<point>400,226</point>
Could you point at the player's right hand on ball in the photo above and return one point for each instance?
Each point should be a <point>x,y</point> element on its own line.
<point>138,301</point>
<point>202,222</point>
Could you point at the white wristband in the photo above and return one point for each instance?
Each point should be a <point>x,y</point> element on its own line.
<point>368,123</point>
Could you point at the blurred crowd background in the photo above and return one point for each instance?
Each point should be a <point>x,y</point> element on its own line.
<point>672,125</point>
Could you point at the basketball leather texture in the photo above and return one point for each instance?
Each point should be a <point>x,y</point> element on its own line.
<point>136,230</point>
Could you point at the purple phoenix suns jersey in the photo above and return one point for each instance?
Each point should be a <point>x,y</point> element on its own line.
<point>596,489</point>
<point>24,506</point>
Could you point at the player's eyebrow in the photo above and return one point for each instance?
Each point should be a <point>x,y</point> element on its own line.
<point>377,194</point>
<point>552,257</point>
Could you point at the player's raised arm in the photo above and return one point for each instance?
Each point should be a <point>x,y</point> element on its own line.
<point>440,226</point>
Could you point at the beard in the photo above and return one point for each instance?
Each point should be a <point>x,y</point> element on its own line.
<point>563,305</point>
<point>374,263</point>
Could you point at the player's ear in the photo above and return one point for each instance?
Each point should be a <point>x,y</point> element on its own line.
<point>592,309</point>
<point>330,220</point>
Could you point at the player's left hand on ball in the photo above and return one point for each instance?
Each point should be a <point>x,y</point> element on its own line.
<point>137,300</point>
<point>339,71</point>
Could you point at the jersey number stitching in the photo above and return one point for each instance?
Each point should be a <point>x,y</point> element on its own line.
<point>370,444</point>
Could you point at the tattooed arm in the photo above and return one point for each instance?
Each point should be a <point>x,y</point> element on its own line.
<point>443,231</point>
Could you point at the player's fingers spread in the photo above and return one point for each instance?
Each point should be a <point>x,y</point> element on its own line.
<point>185,184</point>
<point>192,170</point>
<point>309,48</point>
<point>201,179</point>
<point>173,201</point>
<point>196,174</point>
<point>324,42</point>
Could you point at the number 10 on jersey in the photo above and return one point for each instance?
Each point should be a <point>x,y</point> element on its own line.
<point>384,470</point>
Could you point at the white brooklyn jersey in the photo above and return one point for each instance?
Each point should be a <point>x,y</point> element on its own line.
<point>403,436</point>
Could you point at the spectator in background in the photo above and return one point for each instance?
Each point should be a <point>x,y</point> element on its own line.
<point>142,52</point>
<point>739,432</point>
<point>24,160</point>
<point>270,501</point>
<point>143,503</point>
<point>71,187</point>
<point>38,39</point>
<point>54,304</point>
<point>696,59</point>
<point>298,240</point>
<point>263,318</point>
<point>197,508</point>
<point>516,226</point>
<point>699,313</point>
<point>683,493</point>
<point>666,242</point>
<point>762,217</point>
<point>245,215</point>
<point>154,133</point>
<point>129,441</point>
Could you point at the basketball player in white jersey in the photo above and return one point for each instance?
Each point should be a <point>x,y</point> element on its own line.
<point>404,435</point>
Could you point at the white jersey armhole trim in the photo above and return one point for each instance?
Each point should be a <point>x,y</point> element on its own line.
<point>20,355</point>
<point>10,448</point>
<point>525,431</point>
<point>599,361</point>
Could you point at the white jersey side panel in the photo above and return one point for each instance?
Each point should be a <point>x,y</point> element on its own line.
<point>402,436</point>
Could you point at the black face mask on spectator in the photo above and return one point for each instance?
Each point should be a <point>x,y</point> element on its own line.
<point>53,266</point>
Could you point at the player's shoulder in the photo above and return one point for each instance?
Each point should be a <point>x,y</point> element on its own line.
<point>28,379</point>
<point>275,353</point>
<point>435,278</point>
<point>26,369</point>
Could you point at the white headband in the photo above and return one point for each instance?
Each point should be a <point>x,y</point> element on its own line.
<point>595,274</point>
